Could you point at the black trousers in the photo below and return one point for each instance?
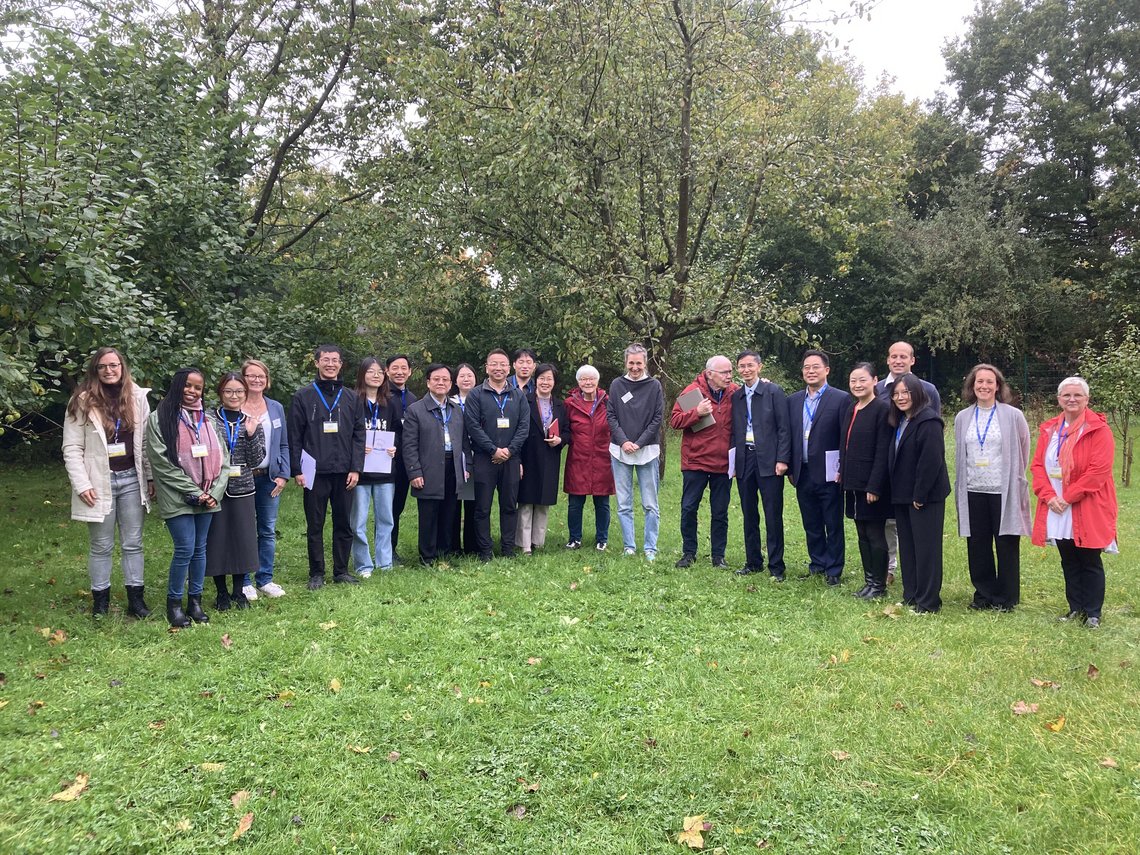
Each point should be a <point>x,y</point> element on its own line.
<point>463,539</point>
<point>920,553</point>
<point>328,489</point>
<point>437,517</point>
<point>490,477</point>
<point>995,585</point>
<point>771,494</point>
<point>693,484</point>
<point>399,499</point>
<point>1084,577</point>
<point>873,549</point>
<point>821,509</point>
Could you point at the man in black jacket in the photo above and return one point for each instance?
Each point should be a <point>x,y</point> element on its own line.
<point>325,424</point>
<point>762,450</point>
<point>497,417</point>
<point>399,370</point>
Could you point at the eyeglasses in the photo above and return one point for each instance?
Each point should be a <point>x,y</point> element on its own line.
<point>255,377</point>
<point>233,393</point>
<point>902,393</point>
<point>109,366</point>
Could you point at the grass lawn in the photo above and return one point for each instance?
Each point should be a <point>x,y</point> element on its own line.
<point>564,703</point>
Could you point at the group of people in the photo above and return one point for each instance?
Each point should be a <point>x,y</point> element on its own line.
<point>875,455</point>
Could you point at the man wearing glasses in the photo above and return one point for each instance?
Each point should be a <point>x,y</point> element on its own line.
<point>706,432</point>
<point>325,425</point>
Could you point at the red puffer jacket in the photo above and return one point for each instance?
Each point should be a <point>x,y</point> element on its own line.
<point>705,450</point>
<point>1088,487</point>
<point>588,470</point>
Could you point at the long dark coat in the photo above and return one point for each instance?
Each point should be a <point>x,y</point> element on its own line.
<point>541,463</point>
<point>863,461</point>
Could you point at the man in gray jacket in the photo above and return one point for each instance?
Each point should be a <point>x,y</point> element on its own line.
<point>634,410</point>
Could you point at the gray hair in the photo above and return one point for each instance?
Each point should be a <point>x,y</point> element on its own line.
<point>1074,381</point>
<point>634,348</point>
<point>587,371</point>
<point>712,361</point>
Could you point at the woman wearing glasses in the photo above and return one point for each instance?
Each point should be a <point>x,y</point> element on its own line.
<point>109,474</point>
<point>919,487</point>
<point>231,548</point>
<point>375,490</point>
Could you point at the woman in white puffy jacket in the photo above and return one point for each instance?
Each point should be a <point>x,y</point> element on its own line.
<point>109,473</point>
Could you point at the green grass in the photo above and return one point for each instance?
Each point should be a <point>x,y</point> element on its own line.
<point>660,694</point>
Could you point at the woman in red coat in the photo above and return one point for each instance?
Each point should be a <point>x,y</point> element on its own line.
<point>1076,498</point>
<point>588,470</point>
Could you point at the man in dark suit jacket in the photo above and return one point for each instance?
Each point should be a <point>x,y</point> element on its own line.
<point>816,416</point>
<point>761,447</point>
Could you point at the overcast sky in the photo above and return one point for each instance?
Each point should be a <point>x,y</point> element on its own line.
<point>903,39</point>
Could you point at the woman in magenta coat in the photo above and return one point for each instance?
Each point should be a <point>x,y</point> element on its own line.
<point>588,471</point>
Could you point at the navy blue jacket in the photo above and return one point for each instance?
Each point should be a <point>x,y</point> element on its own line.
<point>278,440</point>
<point>826,433</point>
<point>769,426</point>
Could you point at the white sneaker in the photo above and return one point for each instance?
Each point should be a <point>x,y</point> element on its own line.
<point>365,574</point>
<point>629,551</point>
<point>650,555</point>
<point>272,590</point>
<point>249,592</point>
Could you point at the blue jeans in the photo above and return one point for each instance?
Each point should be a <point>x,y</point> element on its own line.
<point>188,531</point>
<point>647,480</point>
<point>380,497</point>
<point>265,506</point>
<point>601,517</point>
<point>127,514</point>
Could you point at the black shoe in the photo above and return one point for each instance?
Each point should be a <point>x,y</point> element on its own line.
<point>507,553</point>
<point>316,582</point>
<point>345,579</point>
<point>174,614</point>
<point>834,581</point>
<point>574,544</point>
<point>685,560</point>
<point>222,603</point>
<point>745,571</point>
<point>396,559</point>
<point>803,577</point>
<point>100,602</point>
<point>974,605</point>
<point>863,593</point>
<point>240,601</point>
<point>485,557</point>
<point>1093,623</point>
<point>778,577</point>
<point>720,564</point>
<point>136,606</point>
<point>877,591</point>
<point>194,609</point>
<point>1073,615</point>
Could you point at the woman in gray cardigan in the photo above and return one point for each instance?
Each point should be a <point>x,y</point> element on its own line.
<point>991,457</point>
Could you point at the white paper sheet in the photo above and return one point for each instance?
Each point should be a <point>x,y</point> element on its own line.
<point>831,465</point>
<point>308,469</point>
<point>377,460</point>
<point>732,462</point>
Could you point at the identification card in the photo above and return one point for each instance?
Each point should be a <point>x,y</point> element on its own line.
<point>447,439</point>
<point>1055,473</point>
<point>116,449</point>
<point>502,423</point>
<point>233,471</point>
<point>277,424</point>
<point>749,437</point>
<point>807,434</point>
<point>199,450</point>
<point>331,427</point>
<point>982,462</point>
<point>627,397</point>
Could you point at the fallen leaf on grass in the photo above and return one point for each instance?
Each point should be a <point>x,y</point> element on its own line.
<point>158,724</point>
<point>34,707</point>
<point>239,798</point>
<point>1056,726</point>
<point>534,660</point>
<point>227,642</point>
<point>71,792</point>
<point>57,637</point>
<point>474,700</point>
<point>871,639</point>
<point>244,825</point>
<point>762,844</point>
<point>573,586</point>
<point>691,835</point>
<point>840,755</point>
<point>45,631</point>
<point>422,774</point>
<point>517,811</point>
<point>1093,671</point>
<point>650,742</point>
<point>360,749</point>
<point>3,704</point>
<point>1108,763</point>
<point>484,684</point>
<point>893,611</point>
<point>182,825</point>
<point>1044,684</point>
<point>1022,708</point>
<point>211,767</point>
<point>286,695</point>
<point>393,756</point>
<point>569,621</point>
<point>458,691</point>
<point>334,685</point>
<point>898,705</point>
<point>328,625</point>
<point>1124,663</point>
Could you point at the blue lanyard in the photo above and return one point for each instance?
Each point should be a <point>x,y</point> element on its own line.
<point>810,411</point>
<point>403,399</point>
<point>899,430</point>
<point>117,423</point>
<point>196,428</point>
<point>444,419</point>
<point>324,400</point>
<point>593,405</point>
<point>502,403</point>
<point>373,415</point>
<point>982,435</point>
<point>233,429</point>
<point>749,393</point>
<point>462,404</point>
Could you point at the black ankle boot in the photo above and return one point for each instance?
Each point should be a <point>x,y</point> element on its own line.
<point>100,603</point>
<point>174,614</point>
<point>136,606</point>
<point>222,603</point>
<point>194,609</point>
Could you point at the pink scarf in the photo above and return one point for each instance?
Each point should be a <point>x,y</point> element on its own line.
<point>203,471</point>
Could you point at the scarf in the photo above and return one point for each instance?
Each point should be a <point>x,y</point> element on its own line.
<point>1065,452</point>
<point>203,471</point>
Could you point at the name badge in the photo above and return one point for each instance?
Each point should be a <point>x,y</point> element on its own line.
<point>503,422</point>
<point>447,438</point>
<point>116,449</point>
<point>807,434</point>
<point>234,471</point>
<point>627,397</point>
<point>199,450</point>
<point>331,427</point>
<point>277,424</point>
<point>749,437</point>
<point>982,462</point>
<point>1055,473</point>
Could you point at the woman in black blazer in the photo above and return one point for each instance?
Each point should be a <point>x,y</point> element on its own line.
<point>541,459</point>
<point>919,487</point>
<point>863,476</point>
